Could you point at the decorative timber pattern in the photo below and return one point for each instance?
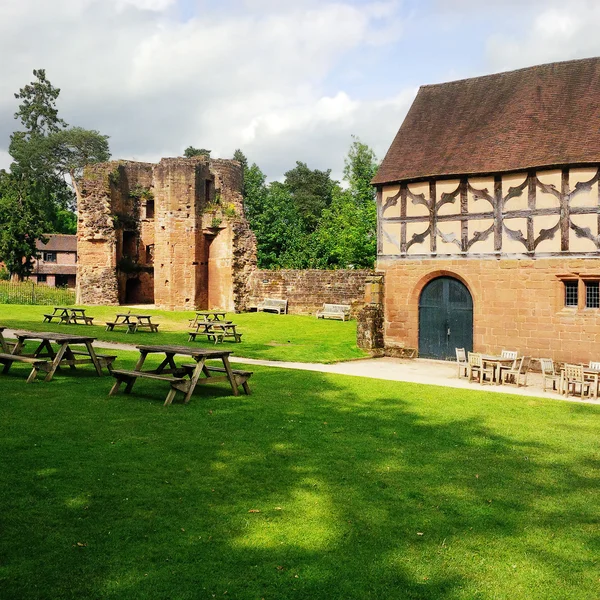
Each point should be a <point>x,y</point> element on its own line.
<point>542,213</point>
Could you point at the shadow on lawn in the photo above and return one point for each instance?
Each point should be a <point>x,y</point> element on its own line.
<point>304,490</point>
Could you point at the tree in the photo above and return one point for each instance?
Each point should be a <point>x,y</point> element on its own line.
<point>311,191</point>
<point>190,152</point>
<point>360,166</point>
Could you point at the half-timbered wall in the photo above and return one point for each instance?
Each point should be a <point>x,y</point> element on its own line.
<point>539,213</point>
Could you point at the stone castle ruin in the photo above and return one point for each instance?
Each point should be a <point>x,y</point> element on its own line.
<point>172,234</point>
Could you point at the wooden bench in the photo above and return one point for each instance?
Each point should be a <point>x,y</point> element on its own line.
<point>132,327</point>
<point>178,384</point>
<point>216,332</point>
<point>66,319</point>
<point>84,318</point>
<point>241,376</point>
<point>37,363</point>
<point>334,311</point>
<point>105,360</point>
<point>272,305</point>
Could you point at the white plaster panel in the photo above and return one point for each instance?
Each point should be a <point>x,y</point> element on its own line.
<point>389,191</point>
<point>514,180</point>
<point>448,187</point>
<point>417,210</point>
<point>547,222</point>
<point>480,183</point>
<point>510,246</point>
<point>485,246</point>
<point>553,178</point>
<point>418,228</point>
<point>450,230</point>
<point>390,235</point>
<point>585,197</point>
<point>582,244</point>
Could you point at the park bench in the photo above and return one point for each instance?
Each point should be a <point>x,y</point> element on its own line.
<point>241,376</point>
<point>216,332</point>
<point>37,364</point>
<point>334,311</point>
<point>272,305</point>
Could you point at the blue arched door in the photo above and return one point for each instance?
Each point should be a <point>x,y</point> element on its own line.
<point>445,319</point>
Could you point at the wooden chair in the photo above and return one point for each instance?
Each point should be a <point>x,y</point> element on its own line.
<point>509,354</point>
<point>514,375</point>
<point>594,365</point>
<point>549,374</point>
<point>573,378</point>
<point>463,364</point>
<point>477,371</point>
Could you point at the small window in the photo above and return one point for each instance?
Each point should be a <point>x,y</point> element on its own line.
<point>149,209</point>
<point>150,254</point>
<point>49,257</point>
<point>41,279</point>
<point>571,297</point>
<point>592,294</point>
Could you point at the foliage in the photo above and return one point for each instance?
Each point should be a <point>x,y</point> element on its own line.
<point>327,487</point>
<point>4,274</point>
<point>190,152</point>
<point>141,192</point>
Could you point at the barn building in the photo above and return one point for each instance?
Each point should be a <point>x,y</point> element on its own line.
<point>489,216</point>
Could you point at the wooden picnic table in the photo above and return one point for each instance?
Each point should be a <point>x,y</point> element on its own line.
<point>497,362</point>
<point>132,322</point>
<point>176,376</point>
<point>207,316</point>
<point>46,359</point>
<point>215,331</point>
<point>68,315</point>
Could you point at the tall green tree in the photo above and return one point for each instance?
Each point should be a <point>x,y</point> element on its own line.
<point>190,152</point>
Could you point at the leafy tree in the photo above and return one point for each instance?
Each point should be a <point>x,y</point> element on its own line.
<point>190,152</point>
<point>360,166</point>
<point>311,191</point>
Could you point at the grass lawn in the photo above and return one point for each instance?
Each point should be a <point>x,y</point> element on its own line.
<point>265,335</point>
<point>317,488</point>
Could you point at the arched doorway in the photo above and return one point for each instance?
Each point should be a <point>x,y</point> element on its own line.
<point>133,291</point>
<point>445,319</point>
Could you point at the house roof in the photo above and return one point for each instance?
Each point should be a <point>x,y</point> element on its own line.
<point>54,269</point>
<point>58,242</point>
<point>547,115</point>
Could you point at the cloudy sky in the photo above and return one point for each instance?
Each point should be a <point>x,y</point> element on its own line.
<point>283,81</point>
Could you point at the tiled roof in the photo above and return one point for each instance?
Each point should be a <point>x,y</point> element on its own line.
<point>548,115</point>
<point>54,269</point>
<point>59,242</point>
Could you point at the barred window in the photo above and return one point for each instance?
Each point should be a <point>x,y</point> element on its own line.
<point>592,294</point>
<point>571,297</point>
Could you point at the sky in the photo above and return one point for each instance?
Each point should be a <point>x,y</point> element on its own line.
<point>282,81</point>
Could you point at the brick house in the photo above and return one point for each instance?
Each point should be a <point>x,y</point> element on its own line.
<point>489,216</point>
<point>57,262</point>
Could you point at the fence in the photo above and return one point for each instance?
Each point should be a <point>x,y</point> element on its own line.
<point>31,293</point>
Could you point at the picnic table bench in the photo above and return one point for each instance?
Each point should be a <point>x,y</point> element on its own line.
<point>68,315</point>
<point>46,359</point>
<point>204,316</point>
<point>4,345</point>
<point>168,371</point>
<point>334,311</point>
<point>216,332</point>
<point>272,305</point>
<point>132,322</point>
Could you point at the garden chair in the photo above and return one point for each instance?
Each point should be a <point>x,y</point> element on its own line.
<point>509,354</point>
<point>517,372</point>
<point>477,370</point>
<point>595,365</point>
<point>463,363</point>
<point>549,374</point>
<point>574,378</point>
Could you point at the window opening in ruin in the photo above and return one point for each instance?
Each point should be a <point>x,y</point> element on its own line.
<point>592,294</point>
<point>42,279</point>
<point>571,295</point>
<point>150,254</point>
<point>129,244</point>
<point>50,257</point>
<point>149,209</point>
<point>207,190</point>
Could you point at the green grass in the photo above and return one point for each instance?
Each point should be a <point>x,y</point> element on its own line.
<point>316,486</point>
<point>265,335</point>
<point>13,292</point>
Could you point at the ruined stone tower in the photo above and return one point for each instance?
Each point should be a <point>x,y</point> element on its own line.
<point>173,234</point>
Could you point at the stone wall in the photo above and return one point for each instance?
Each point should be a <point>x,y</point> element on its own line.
<point>517,304</point>
<point>307,290</point>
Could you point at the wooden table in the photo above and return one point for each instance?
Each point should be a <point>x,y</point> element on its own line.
<point>198,373</point>
<point>45,358</point>
<point>215,332</point>
<point>133,322</point>
<point>67,315</point>
<point>207,316</point>
<point>497,362</point>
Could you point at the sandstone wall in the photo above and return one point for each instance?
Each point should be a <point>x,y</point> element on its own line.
<point>307,290</point>
<point>517,304</point>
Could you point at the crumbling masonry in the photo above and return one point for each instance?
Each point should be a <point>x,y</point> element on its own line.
<point>173,234</point>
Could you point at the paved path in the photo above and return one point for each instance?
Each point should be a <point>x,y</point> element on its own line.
<point>420,370</point>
